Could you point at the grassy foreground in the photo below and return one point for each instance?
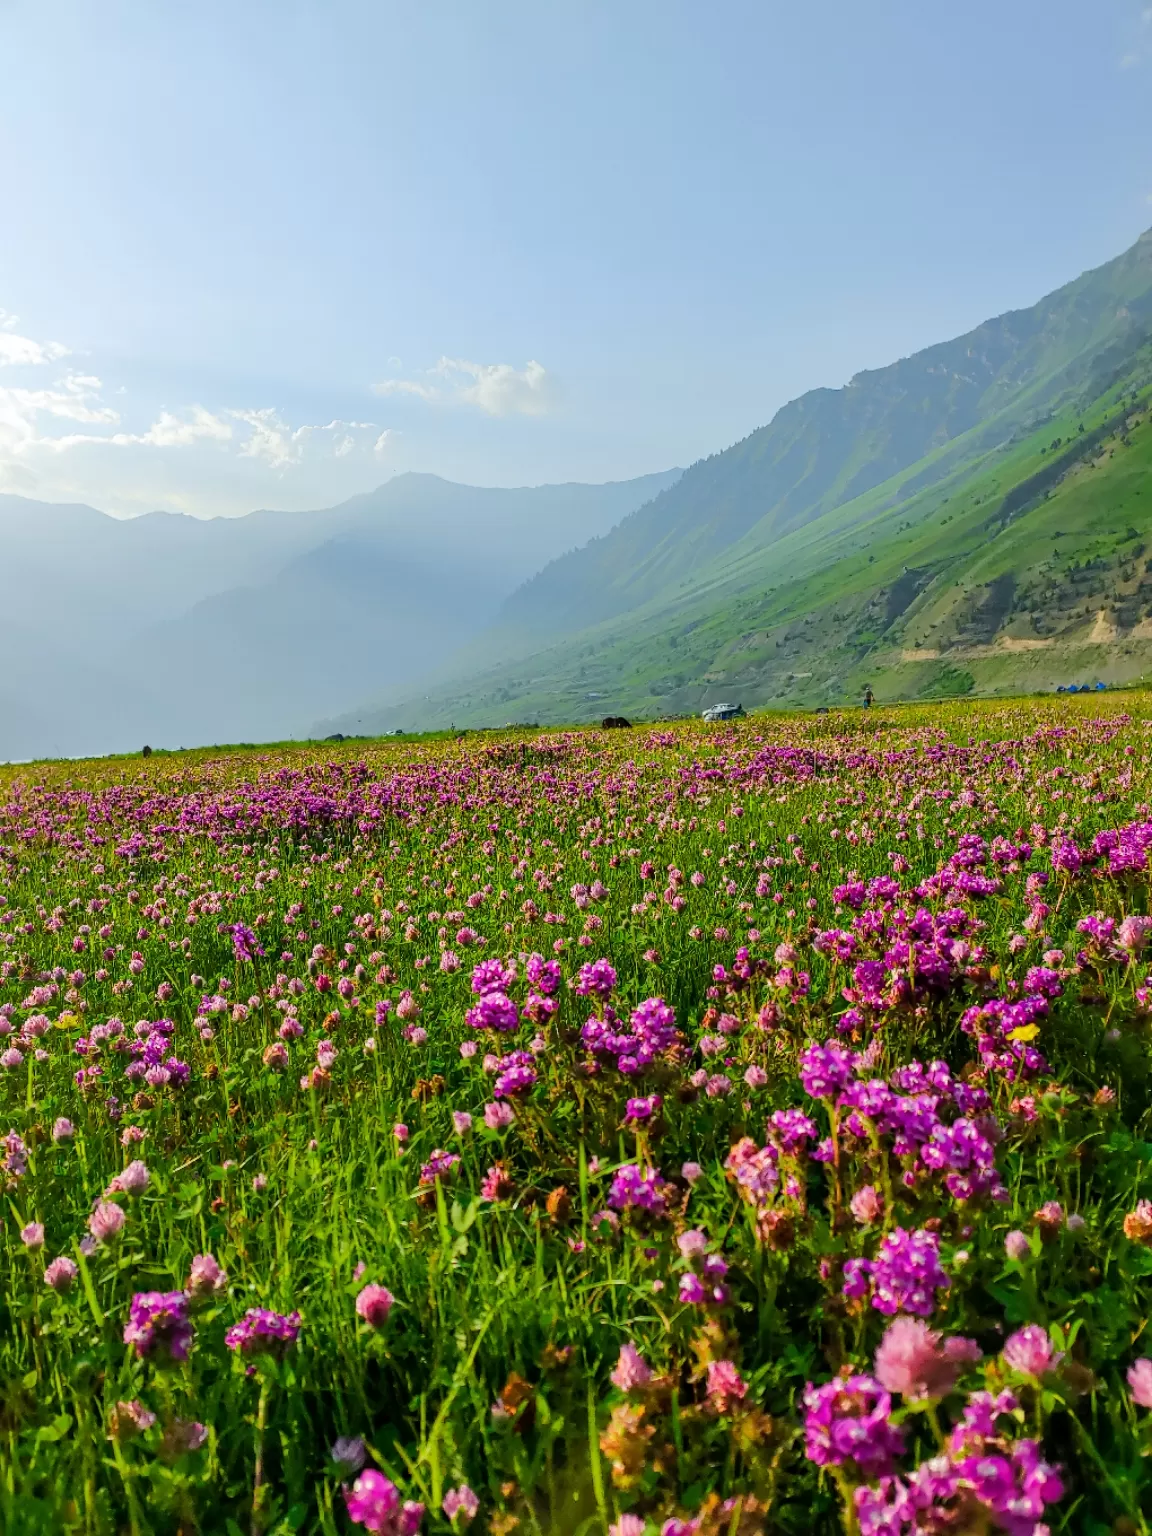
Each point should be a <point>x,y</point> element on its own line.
<point>691,1129</point>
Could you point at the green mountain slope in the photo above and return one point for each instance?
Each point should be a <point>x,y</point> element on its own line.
<point>937,411</point>
<point>1010,555</point>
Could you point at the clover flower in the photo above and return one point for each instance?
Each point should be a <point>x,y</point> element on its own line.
<point>373,1501</point>
<point>158,1325</point>
<point>263,1332</point>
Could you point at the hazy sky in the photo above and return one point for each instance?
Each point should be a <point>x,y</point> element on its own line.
<point>268,254</point>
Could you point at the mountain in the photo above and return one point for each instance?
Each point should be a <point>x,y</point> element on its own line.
<point>177,630</point>
<point>939,408</point>
<point>789,567</point>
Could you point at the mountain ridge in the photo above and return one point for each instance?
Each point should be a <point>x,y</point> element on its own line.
<point>643,589</point>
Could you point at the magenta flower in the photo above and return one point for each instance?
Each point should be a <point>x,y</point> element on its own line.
<point>374,1502</point>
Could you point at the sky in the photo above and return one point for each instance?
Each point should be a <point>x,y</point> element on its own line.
<point>271,254</point>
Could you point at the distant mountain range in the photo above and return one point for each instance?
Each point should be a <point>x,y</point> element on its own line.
<point>179,631</point>
<point>972,517</point>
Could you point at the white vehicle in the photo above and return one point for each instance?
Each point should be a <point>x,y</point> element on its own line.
<point>724,712</point>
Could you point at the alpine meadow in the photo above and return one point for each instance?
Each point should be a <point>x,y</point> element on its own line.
<point>575,768</point>
<point>695,1129</point>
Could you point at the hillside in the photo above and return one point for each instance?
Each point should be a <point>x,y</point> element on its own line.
<point>1021,564</point>
<point>904,427</point>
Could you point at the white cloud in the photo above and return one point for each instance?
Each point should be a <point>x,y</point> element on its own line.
<point>16,351</point>
<point>278,444</point>
<point>74,398</point>
<point>498,389</point>
<point>380,446</point>
<point>170,432</point>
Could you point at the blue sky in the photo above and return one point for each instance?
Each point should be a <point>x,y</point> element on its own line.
<point>271,254</point>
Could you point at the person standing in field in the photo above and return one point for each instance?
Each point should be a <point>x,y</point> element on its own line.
<point>868,697</point>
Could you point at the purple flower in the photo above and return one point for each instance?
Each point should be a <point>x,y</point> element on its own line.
<point>492,976</point>
<point>349,1453</point>
<point>543,975</point>
<point>826,1070</point>
<point>158,1325</point>
<point>495,1011</point>
<point>596,979</point>
<point>244,944</point>
<point>438,1166</point>
<point>635,1188</point>
<point>639,1110</point>
<point>262,1332</point>
<point>904,1276</point>
<point>848,1422</point>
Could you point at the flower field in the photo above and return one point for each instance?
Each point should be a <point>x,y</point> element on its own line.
<point>694,1129</point>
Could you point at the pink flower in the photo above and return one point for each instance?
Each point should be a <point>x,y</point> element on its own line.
<point>912,1361</point>
<point>63,1130</point>
<point>867,1205</point>
<point>627,1525</point>
<point>690,1172</point>
<point>32,1236</point>
<point>460,1502</point>
<point>1029,1351</point>
<point>374,1304</point>
<point>462,1121</point>
<point>1017,1246</point>
<point>401,1133</point>
<point>205,1277</point>
<point>133,1181</point>
<point>105,1221</point>
<point>60,1273</point>
<point>498,1116</point>
<point>726,1387</point>
<point>1140,1382</point>
<point>691,1243</point>
<point>631,1370</point>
